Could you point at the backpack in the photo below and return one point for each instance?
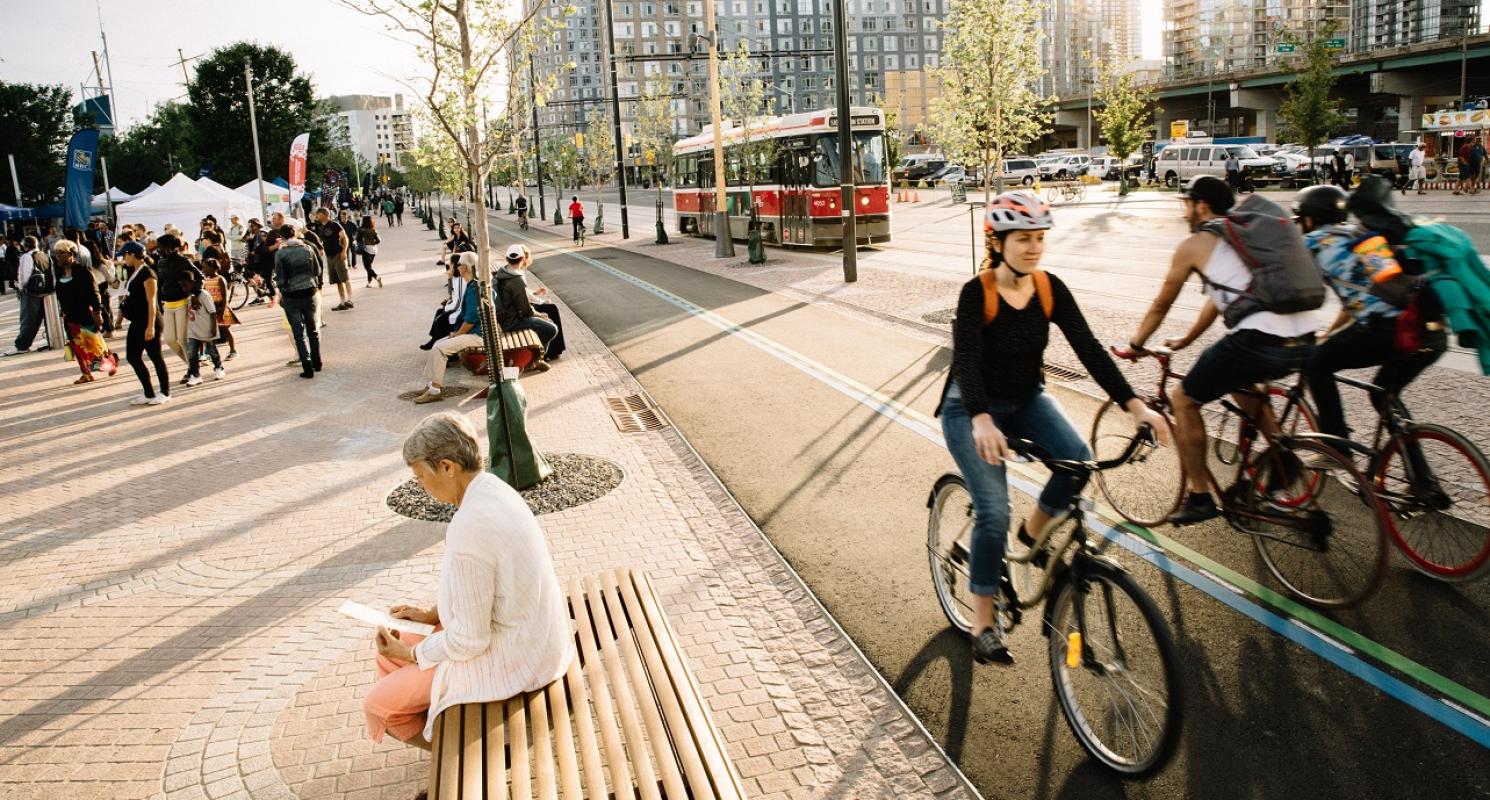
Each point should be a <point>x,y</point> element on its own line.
<point>42,281</point>
<point>1459,280</point>
<point>991,293</point>
<point>1285,279</point>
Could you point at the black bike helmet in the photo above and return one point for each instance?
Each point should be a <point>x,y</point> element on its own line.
<point>1324,204</point>
<point>1213,191</point>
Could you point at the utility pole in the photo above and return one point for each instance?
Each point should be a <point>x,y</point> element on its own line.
<point>537,151</point>
<point>185,80</point>
<point>724,238</point>
<point>109,65</point>
<point>845,147</point>
<point>253,128</point>
<point>615,99</point>
<point>1464,67</point>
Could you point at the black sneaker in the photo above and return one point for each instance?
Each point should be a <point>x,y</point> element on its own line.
<point>1198,507</point>
<point>988,647</point>
<point>1043,557</point>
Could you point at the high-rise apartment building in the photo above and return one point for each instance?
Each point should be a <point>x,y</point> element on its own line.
<point>1217,37</point>
<point>1377,23</point>
<point>375,127</point>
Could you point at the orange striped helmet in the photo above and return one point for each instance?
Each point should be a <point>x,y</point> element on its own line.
<point>1017,211</point>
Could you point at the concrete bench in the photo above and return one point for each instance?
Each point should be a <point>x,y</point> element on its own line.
<point>519,349</point>
<point>626,721</point>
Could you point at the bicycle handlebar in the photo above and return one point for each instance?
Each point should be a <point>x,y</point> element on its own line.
<point>1162,354</point>
<point>1031,450</point>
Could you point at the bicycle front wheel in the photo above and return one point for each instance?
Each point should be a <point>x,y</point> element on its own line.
<point>1114,669</point>
<point>1147,488</point>
<point>949,542</point>
<point>1053,194</point>
<point>237,294</point>
<point>1319,528</point>
<point>1436,487</point>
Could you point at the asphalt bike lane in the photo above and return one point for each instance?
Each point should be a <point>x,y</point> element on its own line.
<point>820,425</point>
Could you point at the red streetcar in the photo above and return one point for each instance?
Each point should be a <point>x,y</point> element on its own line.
<point>797,201</point>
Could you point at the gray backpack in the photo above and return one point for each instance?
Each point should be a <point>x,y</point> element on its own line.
<point>1285,279</point>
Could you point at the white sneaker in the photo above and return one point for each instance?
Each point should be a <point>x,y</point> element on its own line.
<point>139,400</point>
<point>217,374</point>
<point>195,380</point>
<point>14,352</point>
<point>158,400</point>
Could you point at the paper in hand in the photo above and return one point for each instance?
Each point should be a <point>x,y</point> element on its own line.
<point>372,616</point>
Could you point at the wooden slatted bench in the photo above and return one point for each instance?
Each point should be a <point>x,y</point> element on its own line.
<point>626,721</point>
<point>519,349</point>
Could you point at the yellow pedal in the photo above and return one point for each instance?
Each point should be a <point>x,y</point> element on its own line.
<point>1073,649</point>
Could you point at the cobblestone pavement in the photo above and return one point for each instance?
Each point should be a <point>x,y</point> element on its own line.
<point>169,576</point>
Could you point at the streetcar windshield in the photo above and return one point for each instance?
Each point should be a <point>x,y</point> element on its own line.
<point>869,158</point>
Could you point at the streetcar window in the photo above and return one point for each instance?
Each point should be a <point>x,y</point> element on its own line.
<point>869,158</point>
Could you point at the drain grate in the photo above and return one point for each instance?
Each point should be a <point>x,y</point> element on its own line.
<point>1061,373</point>
<point>635,414</point>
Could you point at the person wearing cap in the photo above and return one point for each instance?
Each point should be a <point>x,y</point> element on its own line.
<point>1417,174</point>
<point>142,339</point>
<point>1004,320</point>
<point>297,274</point>
<point>235,238</point>
<point>1263,345</point>
<point>1355,261</point>
<point>467,335</point>
<point>180,281</point>
<point>514,304</point>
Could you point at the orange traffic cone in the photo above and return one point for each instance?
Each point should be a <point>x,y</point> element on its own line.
<point>916,197</point>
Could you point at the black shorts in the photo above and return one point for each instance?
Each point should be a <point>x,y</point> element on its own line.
<point>1243,359</point>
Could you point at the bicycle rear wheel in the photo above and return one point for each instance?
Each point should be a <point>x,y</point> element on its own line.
<point>1122,697</point>
<point>1316,523</point>
<point>1147,488</point>
<point>949,537</point>
<point>1442,525</point>
<point>237,294</point>
<point>1053,194</point>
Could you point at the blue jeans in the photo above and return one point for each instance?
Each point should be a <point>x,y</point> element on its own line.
<point>1038,419</point>
<point>301,312</point>
<point>194,350</point>
<point>540,325</point>
<point>32,316</point>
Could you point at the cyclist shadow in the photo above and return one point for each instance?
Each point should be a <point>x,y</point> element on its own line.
<point>951,646</point>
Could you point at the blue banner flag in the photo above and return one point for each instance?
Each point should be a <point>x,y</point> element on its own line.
<point>77,201</point>
<point>205,171</point>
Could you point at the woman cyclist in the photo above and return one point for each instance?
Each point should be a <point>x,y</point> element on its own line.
<point>996,389</point>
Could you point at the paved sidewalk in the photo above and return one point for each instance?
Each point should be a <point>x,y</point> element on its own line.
<point>169,576</point>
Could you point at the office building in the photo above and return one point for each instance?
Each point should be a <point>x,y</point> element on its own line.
<point>374,127</point>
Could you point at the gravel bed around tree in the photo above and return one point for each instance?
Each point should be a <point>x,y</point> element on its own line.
<point>943,317</point>
<point>450,391</point>
<point>577,479</point>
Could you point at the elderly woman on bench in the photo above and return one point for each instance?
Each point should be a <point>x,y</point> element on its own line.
<point>467,334</point>
<point>502,623</point>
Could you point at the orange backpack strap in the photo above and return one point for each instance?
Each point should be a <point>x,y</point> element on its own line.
<point>991,293</point>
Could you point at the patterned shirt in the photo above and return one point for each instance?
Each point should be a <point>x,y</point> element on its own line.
<point>1350,256</point>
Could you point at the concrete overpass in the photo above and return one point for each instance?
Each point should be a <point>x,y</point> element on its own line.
<point>1384,92</point>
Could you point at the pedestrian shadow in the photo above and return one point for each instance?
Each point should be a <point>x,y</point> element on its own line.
<point>950,646</point>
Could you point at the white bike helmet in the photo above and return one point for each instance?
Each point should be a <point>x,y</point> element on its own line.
<point>1017,211</point>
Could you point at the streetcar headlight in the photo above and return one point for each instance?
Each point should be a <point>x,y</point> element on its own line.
<point>864,201</point>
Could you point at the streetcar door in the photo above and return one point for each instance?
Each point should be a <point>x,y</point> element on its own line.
<point>796,177</point>
<point>706,196</point>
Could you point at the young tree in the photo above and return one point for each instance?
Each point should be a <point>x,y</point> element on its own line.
<point>989,105</point>
<point>1126,116</point>
<point>655,131</point>
<point>597,157</point>
<point>893,134</point>
<point>1308,110</point>
<point>463,42</point>
<point>35,124</point>
<point>742,100</point>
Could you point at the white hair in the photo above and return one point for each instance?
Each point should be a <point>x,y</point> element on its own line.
<point>447,436</point>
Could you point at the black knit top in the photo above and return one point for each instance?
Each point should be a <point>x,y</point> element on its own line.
<point>1004,360</point>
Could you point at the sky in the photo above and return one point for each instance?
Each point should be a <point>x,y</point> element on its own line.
<point>343,51</point>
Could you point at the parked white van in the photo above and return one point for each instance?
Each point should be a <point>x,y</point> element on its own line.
<point>1181,162</point>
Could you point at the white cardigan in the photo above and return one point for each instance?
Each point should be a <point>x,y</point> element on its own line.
<point>506,625</point>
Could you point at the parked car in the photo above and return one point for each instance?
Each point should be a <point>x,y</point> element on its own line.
<point>918,167</point>
<point>1181,162</point>
<point>1065,167</point>
<point>1106,168</point>
<point>956,174</point>
<point>1023,171</point>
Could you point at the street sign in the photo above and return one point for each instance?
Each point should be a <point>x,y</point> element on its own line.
<point>1148,149</point>
<point>1285,47</point>
<point>1334,44</point>
<point>1179,129</point>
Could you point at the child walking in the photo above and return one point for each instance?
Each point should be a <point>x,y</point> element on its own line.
<point>201,335</point>
<point>215,264</point>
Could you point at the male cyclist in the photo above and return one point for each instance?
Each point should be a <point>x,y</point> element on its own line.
<point>1354,261</point>
<point>1262,346</point>
<point>576,216</point>
<point>522,210</point>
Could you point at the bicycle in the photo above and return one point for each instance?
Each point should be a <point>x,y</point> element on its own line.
<point>580,229</point>
<point>1112,659</point>
<point>1433,481</point>
<point>241,284</point>
<point>522,219</point>
<point>1061,191</point>
<point>1315,522</point>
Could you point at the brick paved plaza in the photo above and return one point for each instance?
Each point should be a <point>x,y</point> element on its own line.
<point>169,576</point>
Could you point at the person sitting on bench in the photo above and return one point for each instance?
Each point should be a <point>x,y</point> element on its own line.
<point>466,335</point>
<point>514,304</point>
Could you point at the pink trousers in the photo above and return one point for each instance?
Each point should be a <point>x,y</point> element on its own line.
<point>399,699</point>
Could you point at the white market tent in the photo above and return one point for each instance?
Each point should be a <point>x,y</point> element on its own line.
<point>115,194</point>
<point>183,202</point>
<point>276,196</point>
<point>147,190</point>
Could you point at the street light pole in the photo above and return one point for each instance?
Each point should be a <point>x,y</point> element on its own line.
<point>724,241</point>
<point>615,98</point>
<point>537,158</point>
<point>253,128</point>
<point>845,147</point>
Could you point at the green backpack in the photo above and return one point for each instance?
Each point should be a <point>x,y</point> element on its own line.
<point>1460,279</point>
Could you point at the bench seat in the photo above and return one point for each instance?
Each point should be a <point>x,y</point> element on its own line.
<point>519,349</point>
